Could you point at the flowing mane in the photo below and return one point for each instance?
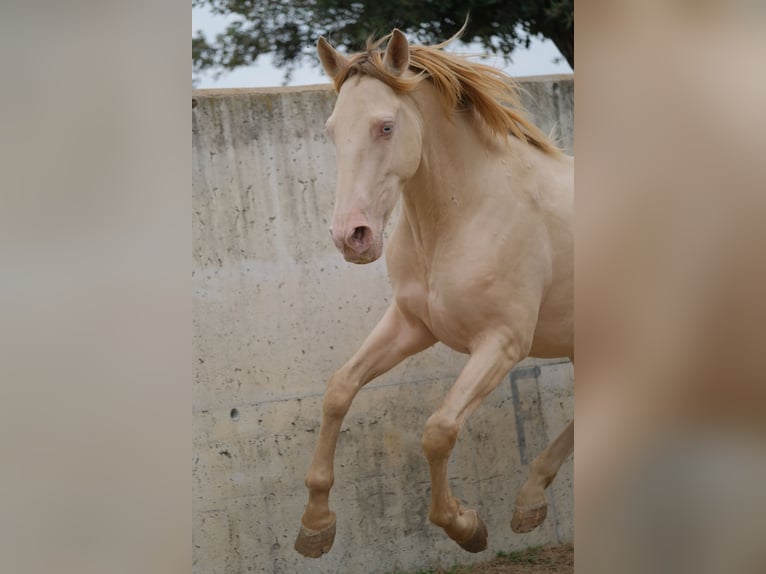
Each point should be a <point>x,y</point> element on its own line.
<point>461,84</point>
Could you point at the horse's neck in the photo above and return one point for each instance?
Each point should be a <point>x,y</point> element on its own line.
<point>458,159</point>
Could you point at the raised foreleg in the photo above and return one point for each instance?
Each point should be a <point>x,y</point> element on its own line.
<point>480,376</point>
<point>395,338</point>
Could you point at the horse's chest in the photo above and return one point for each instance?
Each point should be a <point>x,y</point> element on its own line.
<point>451,328</point>
<point>438,308</point>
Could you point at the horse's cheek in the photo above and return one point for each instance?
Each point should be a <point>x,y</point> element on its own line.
<point>408,157</point>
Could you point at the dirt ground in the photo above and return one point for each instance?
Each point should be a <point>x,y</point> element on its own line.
<point>538,560</point>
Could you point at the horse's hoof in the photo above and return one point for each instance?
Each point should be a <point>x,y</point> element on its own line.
<point>478,540</point>
<point>527,518</point>
<point>314,543</point>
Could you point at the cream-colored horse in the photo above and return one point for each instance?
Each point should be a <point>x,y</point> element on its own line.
<point>481,258</point>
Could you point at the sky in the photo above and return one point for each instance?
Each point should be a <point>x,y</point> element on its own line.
<point>539,59</point>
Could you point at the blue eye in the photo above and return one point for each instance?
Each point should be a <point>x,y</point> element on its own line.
<point>387,128</point>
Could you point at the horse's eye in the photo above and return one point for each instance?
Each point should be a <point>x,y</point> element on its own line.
<point>387,128</point>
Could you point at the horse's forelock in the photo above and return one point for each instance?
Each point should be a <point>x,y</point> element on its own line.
<point>370,63</point>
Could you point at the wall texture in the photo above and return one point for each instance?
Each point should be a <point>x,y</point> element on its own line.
<point>277,311</point>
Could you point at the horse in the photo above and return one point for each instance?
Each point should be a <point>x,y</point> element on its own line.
<point>480,259</point>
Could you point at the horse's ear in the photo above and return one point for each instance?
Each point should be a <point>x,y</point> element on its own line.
<point>332,61</point>
<point>397,57</point>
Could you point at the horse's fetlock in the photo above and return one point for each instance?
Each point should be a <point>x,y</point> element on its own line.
<point>442,518</point>
<point>321,481</point>
<point>543,471</point>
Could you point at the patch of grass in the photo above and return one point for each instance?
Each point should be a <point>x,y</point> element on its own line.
<point>534,559</point>
<point>527,556</point>
<point>456,569</point>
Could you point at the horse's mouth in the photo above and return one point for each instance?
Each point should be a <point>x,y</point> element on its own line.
<point>367,256</point>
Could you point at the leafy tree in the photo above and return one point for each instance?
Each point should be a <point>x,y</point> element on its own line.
<point>288,29</point>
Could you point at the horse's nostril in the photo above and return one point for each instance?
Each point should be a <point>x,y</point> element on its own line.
<point>360,238</point>
<point>359,234</point>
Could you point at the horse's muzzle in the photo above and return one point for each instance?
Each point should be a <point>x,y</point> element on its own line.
<point>358,244</point>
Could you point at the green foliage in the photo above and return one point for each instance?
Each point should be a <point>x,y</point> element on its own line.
<point>288,29</point>
<point>526,556</point>
<point>456,569</point>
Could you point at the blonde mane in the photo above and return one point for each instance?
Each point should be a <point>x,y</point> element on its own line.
<point>460,83</point>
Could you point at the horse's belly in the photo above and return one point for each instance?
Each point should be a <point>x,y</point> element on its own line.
<point>554,335</point>
<point>460,328</point>
<point>550,348</point>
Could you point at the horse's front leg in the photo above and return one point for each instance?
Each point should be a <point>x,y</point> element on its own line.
<point>480,376</point>
<point>395,338</point>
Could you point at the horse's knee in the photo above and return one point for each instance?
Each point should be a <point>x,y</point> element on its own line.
<point>440,436</point>
<point>337,398</point>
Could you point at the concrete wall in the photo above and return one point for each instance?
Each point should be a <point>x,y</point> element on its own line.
<point>277,311</point>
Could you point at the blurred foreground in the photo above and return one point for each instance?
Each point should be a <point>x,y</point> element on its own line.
<point>670,456</point>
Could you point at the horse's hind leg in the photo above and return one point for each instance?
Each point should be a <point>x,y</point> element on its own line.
<point>480,376</point>
<point>394,338</point>
<point>531,507</point>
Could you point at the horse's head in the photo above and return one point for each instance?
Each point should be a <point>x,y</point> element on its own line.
<point>377,135</point>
